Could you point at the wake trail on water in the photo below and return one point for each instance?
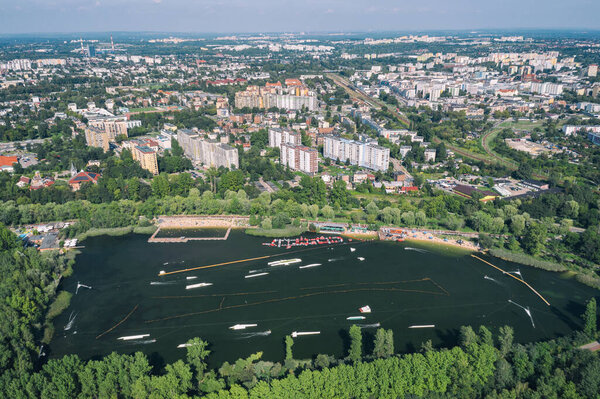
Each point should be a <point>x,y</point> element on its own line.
<point>423,251</point>
<point>142,342</point>
<point>255,334</point>
<point>374,325</point>
<point>526,309</point>
<point>486,277</point>
<point>70,321</point>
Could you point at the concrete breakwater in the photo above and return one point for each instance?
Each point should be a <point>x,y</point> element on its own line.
<point>153,238</point>
<point>184,222</point>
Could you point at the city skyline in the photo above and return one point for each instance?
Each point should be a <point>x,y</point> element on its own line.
<point>65,16</point>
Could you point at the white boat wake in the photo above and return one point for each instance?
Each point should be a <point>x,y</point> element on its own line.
<point>70,321</point>
<point>255,334</point>
<point>79,285</point>
<point>311,265</point>
<point>374,325</point>
<point>526,309</point>
<point>492,279</point>
<point>423,251</point>
<point>143,342</point>
<point>162,282</point>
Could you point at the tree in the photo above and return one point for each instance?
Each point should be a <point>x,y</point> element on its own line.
<point>232,181</point>
<point>339,194</point>
<point>355,352</point>
<point>571,209</point>
<point>517,224</point>
<point>467,336</point>
<point>314,210</point>
<point>534,238</point>
<point>322,361</point>
<point>379,343</point>
<point>7,239</point>
<point>371,208</point>
<point>389,343</point>
<point>505,339</point>
<point>590,319</point>
<point>266,224</point>
<point>289,342</point>
<point>196,354</point>
<point>485,336</point>
<point>327,212</point>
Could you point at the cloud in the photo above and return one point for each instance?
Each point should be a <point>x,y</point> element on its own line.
<point>157,1</point>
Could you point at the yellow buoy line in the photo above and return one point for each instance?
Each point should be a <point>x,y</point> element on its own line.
<point>163,273</point>
<point>515,277</point>
<point>119,323</point>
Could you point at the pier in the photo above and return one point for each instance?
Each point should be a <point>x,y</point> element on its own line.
<point>153,238</point>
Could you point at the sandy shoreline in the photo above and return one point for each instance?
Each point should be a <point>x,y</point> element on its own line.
<point>422,237</point>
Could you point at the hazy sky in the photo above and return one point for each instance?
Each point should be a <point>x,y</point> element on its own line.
<point>24,16</point>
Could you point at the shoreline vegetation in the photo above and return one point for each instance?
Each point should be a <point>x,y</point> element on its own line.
<point>528,260</point>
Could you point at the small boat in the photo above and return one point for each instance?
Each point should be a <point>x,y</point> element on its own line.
<point>285,262</point>
<point>256,275</point>
<point>365,309</point>
<point>311,265</point>
<point>162,272</point>
<point>199,285</point>
<point>356,318</point>
<point>130,337</point>
<point>360,258</point>
<point>191,277</point>
<point>352,249</point>
<point>242,326</point>
<point>423,326</point>
<point>183,345</point>
<point>300,333</point>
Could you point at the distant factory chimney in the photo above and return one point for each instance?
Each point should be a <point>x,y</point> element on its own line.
<point>112,45</point>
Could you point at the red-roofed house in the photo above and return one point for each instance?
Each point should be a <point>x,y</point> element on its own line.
<point>293,82</point>
<point>83,177</point>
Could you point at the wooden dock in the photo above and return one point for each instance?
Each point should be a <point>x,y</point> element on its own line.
<point>153,238</point>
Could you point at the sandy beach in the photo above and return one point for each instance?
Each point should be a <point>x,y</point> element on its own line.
<point>419,236</point>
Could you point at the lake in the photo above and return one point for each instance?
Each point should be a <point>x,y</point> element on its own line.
<point>403,283</point>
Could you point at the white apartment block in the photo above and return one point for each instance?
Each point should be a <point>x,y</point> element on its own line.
<point>278,136</point>
<point>430,155</point>
<point>364,154</point>
<point>569,130</point>
<point>552,89</point>
<point>207,152</point>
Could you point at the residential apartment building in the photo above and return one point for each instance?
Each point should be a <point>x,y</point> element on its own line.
<point>366,154</point>
<point>430,155</point>
<point>207,152</point>
<point>278,136</point>
<point>299,157</point>
<point>292,98</point>
<point>146,156</point>
<point>114,126</point>
<point>96,137</point>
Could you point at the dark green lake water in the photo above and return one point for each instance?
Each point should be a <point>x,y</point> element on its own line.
<point>403,284</point>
